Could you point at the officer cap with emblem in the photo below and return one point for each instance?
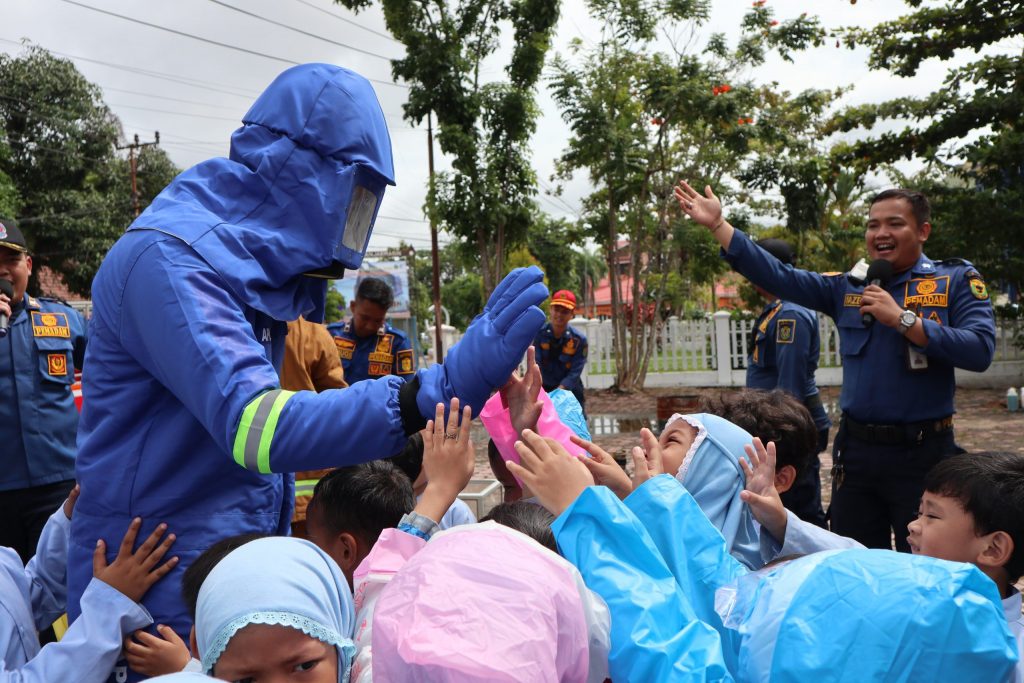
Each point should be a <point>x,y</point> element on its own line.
<point>11,237</point>
<point>564,299</point>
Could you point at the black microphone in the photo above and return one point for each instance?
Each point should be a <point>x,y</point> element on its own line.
<point>5,288</point>
<point>879,273</point>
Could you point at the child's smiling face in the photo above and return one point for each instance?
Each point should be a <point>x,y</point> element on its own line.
<point>271,653</point>
<point>943,529</point>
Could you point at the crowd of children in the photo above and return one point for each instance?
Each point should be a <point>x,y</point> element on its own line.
<point>691,570</point>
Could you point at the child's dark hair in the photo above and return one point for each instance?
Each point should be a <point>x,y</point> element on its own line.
<point>363,500</point>
<point>526,518</point>
<point>197,572</point>
<point>772,416</point>
<point>990,487</point>
<point>410,460</point>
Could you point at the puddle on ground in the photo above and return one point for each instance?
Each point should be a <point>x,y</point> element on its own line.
<point>606,425</point>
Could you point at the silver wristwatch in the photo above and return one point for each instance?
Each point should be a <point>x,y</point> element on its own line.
<point>906,321</point>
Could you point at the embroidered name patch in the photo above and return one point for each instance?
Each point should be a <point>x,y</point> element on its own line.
<point>379,357</point>
<point>927,292</point>
<point>57,364</point>
<point>852,300</point>
<point>50,325</point>
<point>345,347</point>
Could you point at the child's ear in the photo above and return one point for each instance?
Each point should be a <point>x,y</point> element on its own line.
<point>997,550</point>
<point>784,478</point>
<point>346,551</point>
<point>192,645</point>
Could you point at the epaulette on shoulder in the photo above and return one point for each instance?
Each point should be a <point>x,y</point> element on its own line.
<point>955,262</point>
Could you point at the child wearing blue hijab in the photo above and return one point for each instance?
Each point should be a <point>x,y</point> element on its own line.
<point>276,605</point>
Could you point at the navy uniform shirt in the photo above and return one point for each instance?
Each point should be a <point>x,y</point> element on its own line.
<point>785,353</point>
<point>386,353</point>
<point>561,360</point>
<point>886,379</point>
<point>38,418</point>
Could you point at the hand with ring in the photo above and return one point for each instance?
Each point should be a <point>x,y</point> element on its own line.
<point>448,459</point>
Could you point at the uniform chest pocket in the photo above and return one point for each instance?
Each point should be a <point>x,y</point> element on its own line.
<point>54,358</point>
<point>852,333</point>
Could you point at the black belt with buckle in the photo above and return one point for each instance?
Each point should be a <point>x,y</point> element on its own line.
<point>906,434</point>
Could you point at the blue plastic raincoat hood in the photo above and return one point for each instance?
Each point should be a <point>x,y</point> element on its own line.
<point>298,194</point>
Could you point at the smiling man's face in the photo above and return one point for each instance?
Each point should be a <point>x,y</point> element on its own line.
<point>893,233</point>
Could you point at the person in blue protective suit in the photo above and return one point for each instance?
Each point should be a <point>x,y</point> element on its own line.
<point>185,420</point>
<point>784,351</point>
<point>562,349</point>
<point>368,346</point>
<point>683,609</point>
<point>898,381</point>
<point>42,342</point>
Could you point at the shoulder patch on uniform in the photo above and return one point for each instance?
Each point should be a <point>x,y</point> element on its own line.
<point>404,358</point>
<point>50,324</point>
<point>978,288</point>
<point>785,331</point>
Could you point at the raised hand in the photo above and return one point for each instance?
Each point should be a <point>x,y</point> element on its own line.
<point>647,458</point>
<point>604,469</point>
<point>520,395</point>
<point>760,492</point>
<point>132,573</point>
<point>704,209</point>
<point>448,460</point>
<point>554,476</point>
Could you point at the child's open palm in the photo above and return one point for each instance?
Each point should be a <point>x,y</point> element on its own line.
<point>132,573</point>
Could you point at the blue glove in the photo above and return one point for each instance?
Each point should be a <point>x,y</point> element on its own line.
<point>492,347</point>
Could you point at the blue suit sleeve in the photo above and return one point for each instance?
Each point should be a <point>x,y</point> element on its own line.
<point>969,341</point>
<point>183,326</point>
<point>791,357</point>
<point>47,571</point>
<point>92,644</point>
<point>656,636</point>
<point>784,281</point>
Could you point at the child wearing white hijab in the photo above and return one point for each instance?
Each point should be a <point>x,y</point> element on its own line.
<point>279,606</point>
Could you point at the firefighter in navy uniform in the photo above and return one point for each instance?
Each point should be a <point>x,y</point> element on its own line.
<point>784,355</point>
<point>561,348</point>
<point>898,371</point>
<point>43,343</point>
<point>370,348</point>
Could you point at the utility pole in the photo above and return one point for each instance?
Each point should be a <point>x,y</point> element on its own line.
<point>132,161</point>
<point>435,258</point>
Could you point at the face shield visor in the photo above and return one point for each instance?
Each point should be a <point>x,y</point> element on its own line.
<point>362,190</point>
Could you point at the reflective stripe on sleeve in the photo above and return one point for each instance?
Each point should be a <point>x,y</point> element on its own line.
<point>256,430</point>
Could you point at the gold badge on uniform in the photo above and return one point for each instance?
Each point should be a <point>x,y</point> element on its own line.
<point>405,362</point>
<point>57,364</point>
<point>785,331</point>
<point>570,347</point>
<point>50,325</point>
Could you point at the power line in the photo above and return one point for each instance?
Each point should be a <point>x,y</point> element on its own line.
<point>299,30</point>
<point>227,46</point>
<point>349,21</point>
<point>236,120</point>
<point>164,97</point>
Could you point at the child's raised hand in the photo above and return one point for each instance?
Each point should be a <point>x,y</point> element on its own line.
<point>448,460</point>
<point>69,504</point>
<point>152,655</point>
<point>132,573</point>
<point>604,469</point>
<point>647,458</point>
<point>759,492</point>
<point>520,395</point>
<point>554,476</point>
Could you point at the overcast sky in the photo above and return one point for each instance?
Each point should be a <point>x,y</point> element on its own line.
<point>195,92</point>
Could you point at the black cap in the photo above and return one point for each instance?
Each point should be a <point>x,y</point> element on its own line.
<point>780,249</point>
<point>11,237</point>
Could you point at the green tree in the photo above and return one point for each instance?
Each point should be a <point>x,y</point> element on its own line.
<point>485,127</point>
<point>74,192</point>
<point>334,308</point>
<point>969,132</point>
<point>639,121</point>
<point>551,242</point>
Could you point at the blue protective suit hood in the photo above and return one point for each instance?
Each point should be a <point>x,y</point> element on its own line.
<point>299,192</point>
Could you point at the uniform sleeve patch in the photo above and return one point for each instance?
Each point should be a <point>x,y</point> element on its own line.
<point>978,288</point>
<point>785,331</point>
<point>57,364</point>
<point>405,364</point>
